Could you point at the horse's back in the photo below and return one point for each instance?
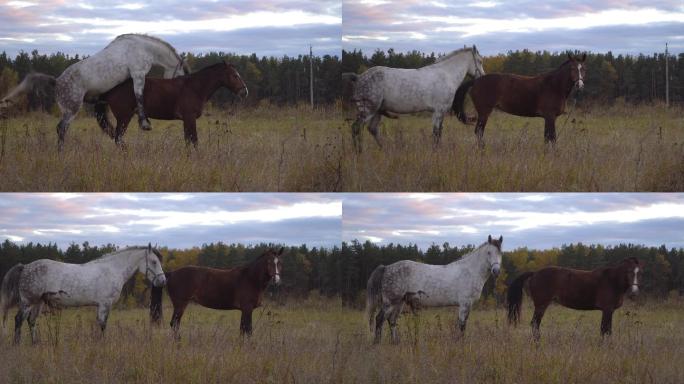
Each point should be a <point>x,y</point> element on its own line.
<point>515,94</point>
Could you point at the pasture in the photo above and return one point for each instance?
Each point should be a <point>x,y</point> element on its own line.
<point>621,148</point>
<point>319,341</point>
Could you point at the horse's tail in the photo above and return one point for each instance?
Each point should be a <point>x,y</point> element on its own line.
<point>28,84</point>
<point>156,295</point>
<point>515,296</point>
<point>459,100</point>
<point>9,290</point>
<point>374,294</point>
<point>102,119</point>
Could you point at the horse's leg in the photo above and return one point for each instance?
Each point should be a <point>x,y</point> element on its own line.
<point>69,99</point>
<point>246,322</point>
<point>479,129</point>
<point>138,87</point>
<point>22,314</point>
<point>536,320</point>
<point>463,313</point>
<point>373,128</point>
<point>190,130</point>
<point>607,322</point>
<point>379,321</point>
<point>121,126</point>
<point>550,130</point>
<point>178,309</point>
<point>361,120</point>
<point>102,315</point>
<point>62,128</point>
<point>437,120</point>
<point>393,317</point>
<point>32,317</point>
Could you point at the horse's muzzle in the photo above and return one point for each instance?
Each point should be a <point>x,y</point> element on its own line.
<point>495,272</point>
<point>579,85</point>
<point>243,93</point>
<point>633,291</point>
<point>159,280</point>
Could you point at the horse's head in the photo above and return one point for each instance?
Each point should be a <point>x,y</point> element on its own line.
<point>493,254</point>
<point>631,269</point>
<point>475,68</point>
<point>233,80</point>
<point>577,70</point>
<point>274,264</point>
<point>150,266</point>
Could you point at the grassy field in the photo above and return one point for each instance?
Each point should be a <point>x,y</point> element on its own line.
<point>622,148</point>
<point>322,342</point>
<point>617,149</point>
<point>269,149</point>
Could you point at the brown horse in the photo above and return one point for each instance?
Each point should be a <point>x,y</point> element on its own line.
<point>235,288</point>
<point>539,96</point>
<point>180,98</point>
<point>601,289</point>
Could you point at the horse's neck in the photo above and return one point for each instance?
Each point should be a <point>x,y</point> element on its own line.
<point>473,262</point>
<point>165,56</point>
<point>454,62</point>
<point>616,281</point>
<point>205,83</point>
<point>127,264</point>
<point>561,80</point>
<point>255,272</point>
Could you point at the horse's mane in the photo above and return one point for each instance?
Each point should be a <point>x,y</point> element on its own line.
<point>452,54</point>
<point>153,38</point>
<point>109,255</point>
<point>472,253</point>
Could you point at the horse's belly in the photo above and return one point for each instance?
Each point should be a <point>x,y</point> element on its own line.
<point>398,106</point>
<point>62,299</point>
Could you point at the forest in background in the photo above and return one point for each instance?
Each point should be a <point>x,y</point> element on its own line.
<point>609,78</point>
<point>272,80</point>
<point>343,271</point>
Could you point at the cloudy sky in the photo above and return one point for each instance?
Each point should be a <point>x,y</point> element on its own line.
<point>537,221</point>
<point>265,27</point>
<point>174,220</point>
<point>496,26</point>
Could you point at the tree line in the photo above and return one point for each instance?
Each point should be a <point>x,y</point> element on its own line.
<point>609,78</point>
<point>274,80</point>
<point>343,271</point>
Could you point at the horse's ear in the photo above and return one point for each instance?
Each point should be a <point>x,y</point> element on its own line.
<point>489,239</point>
<point>149,246</point>
<point>474,48</point>
<point>500,239</point>
<point>584,57</point>
<point>280,252</point>
<point>570,57</point>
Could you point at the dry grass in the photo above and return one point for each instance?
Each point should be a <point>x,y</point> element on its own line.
<point>269,149</point>
<point>294,149</point>
<point>619,149</point>
<point>321,342</point>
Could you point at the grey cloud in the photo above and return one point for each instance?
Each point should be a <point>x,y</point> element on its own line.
<point>379,215</point>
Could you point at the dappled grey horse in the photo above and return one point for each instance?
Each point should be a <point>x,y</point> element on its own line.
<point>56,284</point>
<point>127,56</point>
<point>391,91</point>
<point>416,284</point>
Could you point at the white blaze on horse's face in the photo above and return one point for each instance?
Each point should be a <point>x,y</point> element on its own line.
<point>635,283</point>
<point>276,268</point>
<point>580,80</point>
